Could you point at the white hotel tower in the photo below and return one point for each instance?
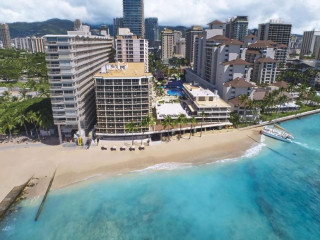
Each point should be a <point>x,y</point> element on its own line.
<point>72,60</point>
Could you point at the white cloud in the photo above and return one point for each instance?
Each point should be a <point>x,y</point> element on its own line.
<point>303,14</point>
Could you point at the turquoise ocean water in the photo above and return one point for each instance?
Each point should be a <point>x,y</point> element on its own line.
<point>273,192</point>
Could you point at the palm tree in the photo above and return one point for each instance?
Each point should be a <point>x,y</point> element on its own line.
<point>23,93</point>
<point>244,100</point>
<point>131,127</point>
<point>33,118</point>
<point>164,124</point>
<point>169,122</point>
<point>8,123</point>
<point>181,120</point>
<point>193,122</point>
<point>203,115</point>
<point>144,124</point>
<point>6,96</point>
<point>21,119</point>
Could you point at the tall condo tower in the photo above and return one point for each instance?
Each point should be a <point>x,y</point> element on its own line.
<point>133,16</point>
<point>237,27</point>
<point>276,30</point>
<point>151,25</point>
<point>5,36</point>
<point>190,38</point>
<point>117,23</point>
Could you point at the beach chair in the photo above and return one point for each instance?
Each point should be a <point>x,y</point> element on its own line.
<point>132,148</point>
<point>141,147</point>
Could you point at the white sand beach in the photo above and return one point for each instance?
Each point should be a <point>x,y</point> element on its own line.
<point>18,164</point>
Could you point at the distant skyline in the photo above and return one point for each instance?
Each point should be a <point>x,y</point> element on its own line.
<point>303,14</point>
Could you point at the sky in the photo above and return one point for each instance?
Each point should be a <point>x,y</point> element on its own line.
<point>303,14</point>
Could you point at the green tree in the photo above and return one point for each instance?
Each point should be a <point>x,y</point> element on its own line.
<point>34,119</point>
<point>193,122</point>
<point>131,128</point>
<point>203,115</point>
<point>8,123</point>
<point>182,119</point>
<point>21,120</point>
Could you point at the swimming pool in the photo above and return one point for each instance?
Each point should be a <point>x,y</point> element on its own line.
<point>174,92</point>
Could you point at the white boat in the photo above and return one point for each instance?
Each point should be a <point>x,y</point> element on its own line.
<point>277,132</point>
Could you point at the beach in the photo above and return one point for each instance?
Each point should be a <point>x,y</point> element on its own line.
<point>77,164</point>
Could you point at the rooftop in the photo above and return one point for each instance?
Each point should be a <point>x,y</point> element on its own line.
<point>237,61</point>
<point>118,70</point>
<point>197,91</point>
<point>266,60</point>
<point>215,22</point>
<point>238,83</point>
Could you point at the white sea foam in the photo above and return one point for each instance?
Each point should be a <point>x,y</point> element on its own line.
<point>305,145</point>
<point>165,167</point>
<point>8,228</point>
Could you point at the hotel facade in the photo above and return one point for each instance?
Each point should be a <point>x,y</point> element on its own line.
<point>72,60</point>
<point>123,95</point>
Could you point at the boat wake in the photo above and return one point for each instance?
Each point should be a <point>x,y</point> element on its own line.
<point>304,145</point>
<point>165,167</point>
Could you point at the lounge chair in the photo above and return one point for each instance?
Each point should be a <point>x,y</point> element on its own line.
<point>113,148</point>
<point>132,148</point>
<point>104,147</point>
<point>141,147</point>
<point>123,148</point>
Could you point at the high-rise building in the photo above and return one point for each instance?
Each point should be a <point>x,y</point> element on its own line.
<point>5,36</point>
<point>130,48</point>
<point>117,23</point>
<point>123,93</point>
<point>77,25</point>
<point>72,60</point>
<point>221,60</point>
<point>276,31</point>
<point>167,44</point>
<point>180,48</point>
<point>237,27</point>
<point>104,30</point>
<point>151,25</point>
<point>190,38</point>
<point>310,43</point>
<point>133,16</point>
<point>31,44</point>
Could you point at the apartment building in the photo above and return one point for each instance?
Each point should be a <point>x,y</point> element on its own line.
<point>276,31</point>
<point>123,93</point>
<point>167,44</point>
<point>190,39</point>
<point>72,60</point>
<point>237,87</point>
<point>237,27</point>
<point>130,48</point>
<point>5,36</point>
<point>180,48</point>
<point>31,44</point>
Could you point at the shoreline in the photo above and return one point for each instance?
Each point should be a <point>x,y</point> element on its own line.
<point>76,165</point>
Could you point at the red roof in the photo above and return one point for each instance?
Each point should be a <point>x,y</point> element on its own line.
<point>238,83</point>
<point>250,36</point>
<point>237,61</point>
<point>266,60</point>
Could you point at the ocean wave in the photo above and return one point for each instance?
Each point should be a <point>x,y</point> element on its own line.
<point>8,228</point>
<point>165,167</point>
<point>251,152</point>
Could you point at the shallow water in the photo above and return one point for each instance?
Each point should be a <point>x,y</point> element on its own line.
<point>273,192</point>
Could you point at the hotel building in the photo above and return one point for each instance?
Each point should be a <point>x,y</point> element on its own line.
<point>31,44</point>
<point>167,44</point>
<point>151,25</point>
<point>72,60</point>
<point>310,44</point>
<point>130,48</point>
<point>190,38</point>
<point>123,95</point>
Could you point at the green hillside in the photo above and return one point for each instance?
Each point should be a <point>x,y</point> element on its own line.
<point>52,26</point>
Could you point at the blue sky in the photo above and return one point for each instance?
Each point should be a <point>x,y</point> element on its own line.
<point>303,14</point>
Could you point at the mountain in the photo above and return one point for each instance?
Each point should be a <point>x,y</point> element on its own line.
<point>51,26</point>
